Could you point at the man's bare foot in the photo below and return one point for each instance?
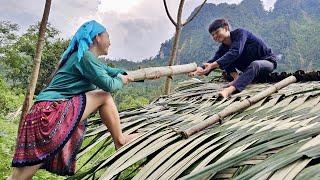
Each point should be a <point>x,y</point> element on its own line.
<point>227,91</point>
<point>125,140</point>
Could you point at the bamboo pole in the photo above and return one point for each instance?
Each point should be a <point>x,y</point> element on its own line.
<point>237,106</point>
<point>152,72</point>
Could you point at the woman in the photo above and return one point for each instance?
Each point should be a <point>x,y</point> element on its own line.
<point>51,134</point>
<point>239,50</point>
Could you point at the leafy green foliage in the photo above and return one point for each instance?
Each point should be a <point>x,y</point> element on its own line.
<point>7,32</point>
<point>9,101</point>
<point>17,58</point>
<point>137,95</point>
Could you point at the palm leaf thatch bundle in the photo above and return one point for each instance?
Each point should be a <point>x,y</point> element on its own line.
<point>275,138</point>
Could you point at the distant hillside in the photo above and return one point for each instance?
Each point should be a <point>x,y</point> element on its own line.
<point>291,29</point>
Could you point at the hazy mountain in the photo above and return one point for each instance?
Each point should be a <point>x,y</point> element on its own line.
<point>290,29</point>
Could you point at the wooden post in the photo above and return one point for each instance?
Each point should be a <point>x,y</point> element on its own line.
<point>37,60</point>
<point>237,106</point>
<point>178,25</point>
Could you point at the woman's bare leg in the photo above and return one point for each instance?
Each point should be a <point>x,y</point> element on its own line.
<point>97,99</point>
<point>24,173</point>
<point>109,114</point>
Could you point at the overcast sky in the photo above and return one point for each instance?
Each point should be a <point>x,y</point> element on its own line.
<point>136,27</point>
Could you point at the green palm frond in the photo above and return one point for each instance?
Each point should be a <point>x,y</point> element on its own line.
<point>276,138</point>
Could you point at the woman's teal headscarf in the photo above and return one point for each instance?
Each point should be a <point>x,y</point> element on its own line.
<point>82,40</point>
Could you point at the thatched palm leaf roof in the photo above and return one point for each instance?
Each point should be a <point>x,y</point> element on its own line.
<point>276,138</point>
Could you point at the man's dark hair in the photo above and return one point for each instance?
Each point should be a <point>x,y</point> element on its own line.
<point>216,24</point>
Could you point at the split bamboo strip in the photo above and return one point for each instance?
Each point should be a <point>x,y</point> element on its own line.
<point>237,106</point>
<point>152,72</point>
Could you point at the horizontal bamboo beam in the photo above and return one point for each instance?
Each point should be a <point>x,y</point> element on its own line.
<point>237,106</point>
<point>152,72</point>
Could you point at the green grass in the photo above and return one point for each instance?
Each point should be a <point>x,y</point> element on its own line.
<point>8,134</point>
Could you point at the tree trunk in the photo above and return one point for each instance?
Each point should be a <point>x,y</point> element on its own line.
<point>179,26</point>
<point>37,61</point>
<point>172,59</point>
<point>174,51</point>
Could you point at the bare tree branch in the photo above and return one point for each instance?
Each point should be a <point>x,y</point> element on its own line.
<point>174,50</point>
<point>175,45</point>
<point>179,15</point>
<point>168,13</point>
<point>195,14</point>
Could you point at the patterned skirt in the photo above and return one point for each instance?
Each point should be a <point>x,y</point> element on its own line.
<point>51,134</point>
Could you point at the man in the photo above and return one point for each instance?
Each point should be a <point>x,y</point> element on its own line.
<point>239,50</point>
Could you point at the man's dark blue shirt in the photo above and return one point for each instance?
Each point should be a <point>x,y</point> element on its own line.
<point>244,49</point>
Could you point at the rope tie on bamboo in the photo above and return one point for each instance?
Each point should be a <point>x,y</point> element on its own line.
<point>157,73</point>
<point>171,72</point>
<point>174,130</point>
<point>220,117</point>
<point>250,102</point>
